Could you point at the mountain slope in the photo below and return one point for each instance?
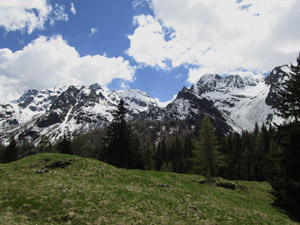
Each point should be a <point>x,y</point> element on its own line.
<point>76,190</point>
<point>51,113</point>
<point>234,103</point>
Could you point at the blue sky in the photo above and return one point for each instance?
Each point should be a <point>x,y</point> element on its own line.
<point>157,46</point>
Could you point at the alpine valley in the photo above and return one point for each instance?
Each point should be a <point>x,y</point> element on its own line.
<point>234,102</point>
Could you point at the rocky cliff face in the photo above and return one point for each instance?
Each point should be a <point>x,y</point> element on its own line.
<point>234,102</point>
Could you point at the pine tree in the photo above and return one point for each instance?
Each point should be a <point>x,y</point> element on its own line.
<point>121,144</point>
<point>206,155</point>
<point>288,189</point>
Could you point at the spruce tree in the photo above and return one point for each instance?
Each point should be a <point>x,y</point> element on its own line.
<point>121,144</point>
<point>288,189</point>
<point>206,155</point>
<point>289,96</point>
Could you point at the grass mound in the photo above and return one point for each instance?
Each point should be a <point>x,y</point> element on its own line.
<point>64,189</point>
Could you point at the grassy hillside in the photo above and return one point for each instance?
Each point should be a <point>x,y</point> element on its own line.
<point>86,191</point>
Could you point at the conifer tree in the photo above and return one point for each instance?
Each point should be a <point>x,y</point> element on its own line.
<point>64,146</point>
<point>206,155</point>
<point>288,189</point>
<point>121,144</point>
<point>289,96</point>
<point>1,153</point>
<point>11,152</point>
<point>159,158</point>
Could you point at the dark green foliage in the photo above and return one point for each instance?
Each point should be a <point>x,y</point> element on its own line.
<point>64,146</point>
<point>10,152</point>
<point>289,96</point>
<point>247,155</point>
<point>121,144</point>
<point>88,145</point>
<point>206,156</point>
<point>1,153</point>
<point>286,180</point>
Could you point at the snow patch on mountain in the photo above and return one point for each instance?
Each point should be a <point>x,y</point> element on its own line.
<point>240,99</point>
<point>49,114</point>
<point>233,102</point>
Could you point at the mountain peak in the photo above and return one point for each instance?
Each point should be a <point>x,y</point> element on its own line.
<point>96,86</point>
<point>233,102</point>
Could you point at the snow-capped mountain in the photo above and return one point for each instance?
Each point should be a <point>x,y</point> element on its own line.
<point>51,113</point>
<point>233,102</point>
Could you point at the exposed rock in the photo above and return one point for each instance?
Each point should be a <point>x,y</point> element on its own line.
<point>165,186</point>
<point>227,185</point>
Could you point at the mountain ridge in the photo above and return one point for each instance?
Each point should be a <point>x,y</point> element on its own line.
<point>234,103</point>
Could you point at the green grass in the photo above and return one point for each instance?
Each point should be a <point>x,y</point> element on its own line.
<point>91,192</point>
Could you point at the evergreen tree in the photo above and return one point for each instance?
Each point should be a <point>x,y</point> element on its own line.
<point>64,146</point>
<point>206,155</point>
<point>159,158</point>
<point>289,96</point>
<point>121,144</point>
<point>177,156</point>
<point>234,152</point>
<point>288,189</point>
<point>1,153</point>
<point>11,152</point>
<point>273,162</point>
<point>259,158</point>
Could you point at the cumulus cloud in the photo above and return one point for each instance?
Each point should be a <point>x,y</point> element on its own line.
<point>217,36</point>
<point>148,44</point>
<point>48,62</point>
<point>9,89</point>
<point>29,15</point>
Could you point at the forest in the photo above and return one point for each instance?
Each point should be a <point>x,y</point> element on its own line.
<point>268,153</point>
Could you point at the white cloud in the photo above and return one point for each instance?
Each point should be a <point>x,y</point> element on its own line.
<point>9,89</point>
<point>48,62</point>
<point>93,31</point>
<point>58,13</point>
<point>125,85</point>
<point>217,35</point>
<point>164,104</point>
<point>148,45</point>
<point>29,15</point>
<point>73,10</point>
<point>196,73</point>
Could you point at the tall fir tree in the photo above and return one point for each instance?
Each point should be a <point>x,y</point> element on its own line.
<point>121,144</point>
<point>206,156</point>
<point>288,189</point>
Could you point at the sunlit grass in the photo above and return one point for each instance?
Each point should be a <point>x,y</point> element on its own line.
<point>91,192</point>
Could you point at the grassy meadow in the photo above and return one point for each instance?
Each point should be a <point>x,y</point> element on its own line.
<point>75,190</point>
